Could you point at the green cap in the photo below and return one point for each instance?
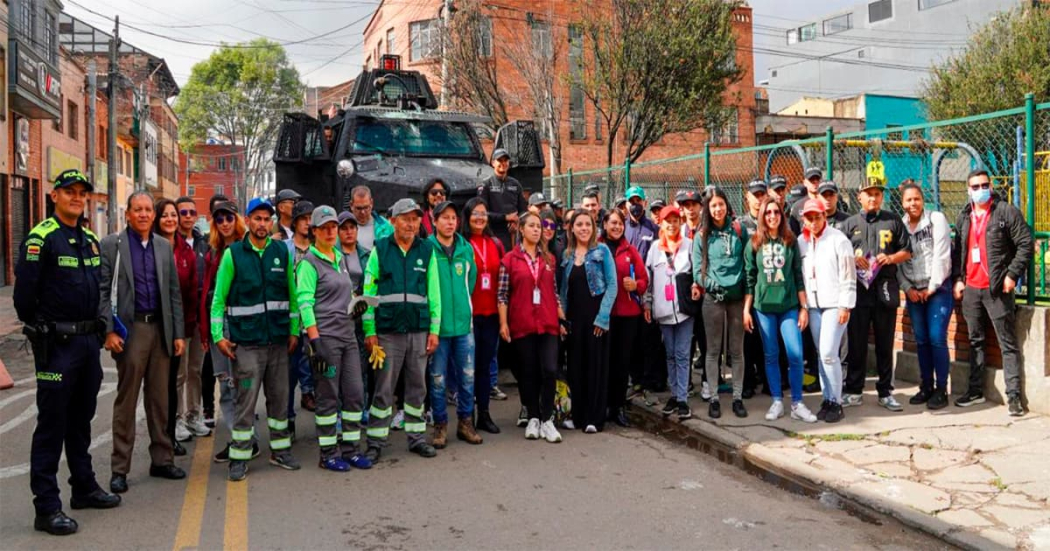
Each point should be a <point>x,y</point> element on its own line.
<point>635,191</point>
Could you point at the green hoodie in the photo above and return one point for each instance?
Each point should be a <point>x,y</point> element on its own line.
<point>456,276</point>
<point>725,261</point>
<point>774,276</point>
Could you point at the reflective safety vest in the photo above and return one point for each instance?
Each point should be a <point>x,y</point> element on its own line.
<point>402,287</point>
<point>257,306</point>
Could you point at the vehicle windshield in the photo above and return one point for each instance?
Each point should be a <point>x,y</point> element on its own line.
<point>412,138</point>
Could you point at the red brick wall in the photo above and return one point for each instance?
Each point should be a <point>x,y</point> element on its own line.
<point>958,342</point>
<point>206,175</point>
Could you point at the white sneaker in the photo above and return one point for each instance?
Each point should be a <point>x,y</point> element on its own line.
<point>705,391</point>
<point>182,434</point>
<point>549,432</point>
<point>891,403</point>
<point>776,411</point>
<point>568,424</point>
<point>800,412</point>
<point>532,432</point>
<point>197,427</point>
<point>591,429</point>
<point>851,400</point>
<point>399,421</point>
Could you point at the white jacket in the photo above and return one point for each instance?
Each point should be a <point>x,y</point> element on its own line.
<point>829,269</point>
<point>666,312</point>
<point>931,253</point>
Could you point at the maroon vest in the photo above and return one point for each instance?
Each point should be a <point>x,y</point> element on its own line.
<point>524,317</point>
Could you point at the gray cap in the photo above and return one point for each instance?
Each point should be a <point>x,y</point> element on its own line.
<point>287,195</point>
<point>322,215</point>
<point>347,216</point>
<point>405,206</point>
<point>499,154</point>
<point>537,199</point>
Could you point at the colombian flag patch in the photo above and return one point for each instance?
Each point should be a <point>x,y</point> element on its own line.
<point>33,249</point>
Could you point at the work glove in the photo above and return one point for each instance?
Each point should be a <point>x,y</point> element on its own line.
<point>319,350</point>
<point>378,357</point>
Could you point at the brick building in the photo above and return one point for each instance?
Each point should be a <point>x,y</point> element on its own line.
<point>413,31</point>
<point>212,169</point>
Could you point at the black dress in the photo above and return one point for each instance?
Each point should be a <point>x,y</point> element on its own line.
<point>588,355</point>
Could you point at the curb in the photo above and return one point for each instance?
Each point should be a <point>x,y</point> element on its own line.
<point>771,467</point>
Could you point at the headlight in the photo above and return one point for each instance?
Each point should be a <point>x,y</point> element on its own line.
<point>345,168</point>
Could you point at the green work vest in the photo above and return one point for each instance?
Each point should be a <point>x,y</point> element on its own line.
<point>402,287</point>
<point>257,306</point>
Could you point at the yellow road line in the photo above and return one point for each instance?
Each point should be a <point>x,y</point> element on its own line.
<point>188,535</point>
<point>235,536</point>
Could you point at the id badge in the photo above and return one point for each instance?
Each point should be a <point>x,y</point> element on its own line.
<point>669,292</point>
<point>536,295</point>
<point>975,255</point>
<point>486,282</point>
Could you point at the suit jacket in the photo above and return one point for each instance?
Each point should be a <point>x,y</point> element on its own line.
<point>167,276</point>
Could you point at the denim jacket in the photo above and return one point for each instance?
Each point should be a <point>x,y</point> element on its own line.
<point>601,279</point>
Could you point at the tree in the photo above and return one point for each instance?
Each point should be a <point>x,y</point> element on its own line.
<point>536,62</point>
<point>657,67</point>
<point>467,54</point>
<point>240,94</point>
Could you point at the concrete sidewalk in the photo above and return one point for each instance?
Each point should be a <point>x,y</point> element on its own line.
<point>973,477</point>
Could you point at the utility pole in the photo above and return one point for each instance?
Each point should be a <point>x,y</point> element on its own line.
<point>143,109</point>
<point>92,144</point>
<point>111,132</point>
<point>446,20</point>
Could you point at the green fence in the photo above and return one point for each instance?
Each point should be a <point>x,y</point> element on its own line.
<point>1013,145</point>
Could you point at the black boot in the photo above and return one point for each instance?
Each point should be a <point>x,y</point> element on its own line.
<point>620,418</point>
<point>485,422</point>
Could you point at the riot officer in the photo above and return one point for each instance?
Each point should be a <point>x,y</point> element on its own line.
<point>56,296</point>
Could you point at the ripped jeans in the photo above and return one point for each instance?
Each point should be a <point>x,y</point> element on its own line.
<point>456,353</point>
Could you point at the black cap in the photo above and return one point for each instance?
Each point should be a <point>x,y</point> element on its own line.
<point>757,186</point>
<point>685,195</point>
<point>828,185</point>
<point>657,204</point>
<point>620,201</point>
<point>798,192</point>
<point>287,195</point>
<point>70,177</point>
<point>228,206</point>
<point>813,171</point>
<point>557,204</point>
<point>443,206</point>
<point>592,188</point>
<point>302,208</point>
<point>347,216</point>
<point>777,182</point>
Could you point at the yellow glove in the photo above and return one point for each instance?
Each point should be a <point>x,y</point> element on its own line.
<point>378,357</point>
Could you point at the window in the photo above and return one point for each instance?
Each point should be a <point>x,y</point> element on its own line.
<point>56,123</point>
<point>191,191</point>
<point>804,33</point>
<point>425,37</point>
<point>120,162</point>
<point>896,135</point>
<point>577,114</point>
<point>730,132</point>
<point>129,166</point>
<point>390,47</point>
<point>222,164</point>
<point>220,190</point>
<point>484,37</point>
<point>73,118</point>
<point>541,39</point>
<point>880,10</point>
<point>50,42</point>
<point>27,19</point>
<point>927,4</point>
<point>792,36</point>
<point>838,24</point>
<point>575,49</point>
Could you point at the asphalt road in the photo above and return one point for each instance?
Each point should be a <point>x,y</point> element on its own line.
<point>621,489</point>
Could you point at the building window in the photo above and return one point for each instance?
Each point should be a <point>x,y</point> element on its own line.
<point>880,10</point>
<point>56,123</point>
<point>426,39</point>
<point>927,4</point>
<point>220,190</point>
<point>896,135</point>
<point>129,166</point>
<point>120,162</point>
<point>390,46</point>
<point>730,132</point>
<point>804,33</point>
<point>74,119</point>
<point>577,114</point>
<point>222,164</point>
<point>50,28</point>
<point>191,191</point>
<point>838,24</point>
<point>541,39</point>
<point>27,19</point>
<point>484,37</point>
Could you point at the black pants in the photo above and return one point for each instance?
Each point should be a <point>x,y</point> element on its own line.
<point>884,320</point>
<point>208,386</point>
<point>537,366</point>
<point>1001,310</point>
<point>624,333</point>
<point>67,387</point>
<point>486,339</point>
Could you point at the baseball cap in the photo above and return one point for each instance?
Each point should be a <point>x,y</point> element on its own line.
<point>668,211</point>
<point>287,195</point>
<point>557,204</point>
<point>346,216</point>
<point>323,215</point>
<point>534,200</point>
<point>302,208</point>
<point>260,203</point>
<point>70,177</point>
<point>757,186</point>
<point>797,192</point>
<point>778,182</point>
<point>227,206</point>
<point>635,191</point>
<point>620,201</point>
<point>443,206</point>
<point>813,205</point>
<point>687,195</point>
<point>657,204</point>
<point>813,171</point>
<point>499,154</point>
<point>405,206</point>
<point>592,188</point>
<point>828,185</point>
<point>873,182</point>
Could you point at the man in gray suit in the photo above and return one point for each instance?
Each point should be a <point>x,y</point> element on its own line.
<point>141,306</point>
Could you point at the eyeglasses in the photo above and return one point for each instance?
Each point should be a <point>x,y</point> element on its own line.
<point>188,212</point>
<point>364,208</point>
<point>773,212</point>
<point>479,215</point>
<point>225,218</point>
<point>548,225</point>
<point>985,185</point>
<point>437,192</point>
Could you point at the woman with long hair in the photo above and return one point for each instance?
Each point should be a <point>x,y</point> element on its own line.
<point>166,225</point>
<point>776,290</point>
<point>625,325</point>
<point>588,291</point>
<point>488,255</point>
<point>718,269</point>
<point>526,288</point>
<point>434,193</point>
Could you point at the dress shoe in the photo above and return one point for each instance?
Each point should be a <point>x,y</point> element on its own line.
<point>118,484</point>
<point>98,499</point>
<point>171,472</point>
<point>56,524</point>
<point>179,449</point>
<point>485,422</point>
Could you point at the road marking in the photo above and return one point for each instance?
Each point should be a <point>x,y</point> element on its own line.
<point>18,396</point>
<point>30,411</point>
<point>188,535</point>
<point>235,536</point>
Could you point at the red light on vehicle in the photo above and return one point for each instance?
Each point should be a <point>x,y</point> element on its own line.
<point>390,62</point>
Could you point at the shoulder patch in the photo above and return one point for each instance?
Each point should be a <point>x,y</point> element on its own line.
<point>44,228</point>
<point>90,234</point>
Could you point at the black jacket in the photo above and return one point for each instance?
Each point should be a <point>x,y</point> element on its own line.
<point>1008,241</point>
<point>503,197</point>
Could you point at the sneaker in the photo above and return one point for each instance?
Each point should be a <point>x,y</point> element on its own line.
<point>532,432</point>
<point>938,400</point>
<point>197,427</point>
<point>1014,406</point>
<point>399,421</point>
<point>591,429</point>
<point>284,460</point>
<point>373,454</point>
<point>209,420</point>
<point>921,397</point>
<point>669,407</point>
<point>255,450</point>
<point>336,464</point>
<point>650,399</point>
<point>497,394</point>
<point>970,399</point>
<point>890,403</point>
<point>705,391</point>
<point>238,471</point>
<point>852,400</point>
<point>800,412</point>
<point>422,449</point>
<point>835,413</point>
<point>690,391</point>
<point>714,409</point>
<point>358,461</point>
<point>567,424</point>
<point>824,405</point>
<point>223,456</point>
<point>683,411</point>
<point>523,417</point>
<point>776,410</point>
<point>549,432</point>
<point>738,409</point>
<point>182,434</point>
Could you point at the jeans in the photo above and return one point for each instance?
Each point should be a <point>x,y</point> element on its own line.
<point>929,323</point>
<point>678,340</point>
<point>486,339</point>
<point>453,355</point>
<point>827,334</point>
<point>786,325</point>
<point>725,319</point>
<point>298,372</point>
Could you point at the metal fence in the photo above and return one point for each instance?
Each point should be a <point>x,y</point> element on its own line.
<point>1013,145</point>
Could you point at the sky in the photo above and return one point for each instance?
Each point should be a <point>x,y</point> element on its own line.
<point>183,31</point>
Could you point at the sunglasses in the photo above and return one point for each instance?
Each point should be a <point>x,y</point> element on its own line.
<point>188,212</point>
<point>224,218</point>
<point>548,225</point>
<point>986,185</point>
<point>773,212</point>
<point>437,192</point>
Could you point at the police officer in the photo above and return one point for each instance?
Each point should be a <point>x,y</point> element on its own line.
<point>504,196</point>
<point>56,296</point>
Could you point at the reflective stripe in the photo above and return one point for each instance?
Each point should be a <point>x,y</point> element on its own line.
<point>352,436</point>
<point>352,416</point>
<point>380,413</point>
<point>243,435</point>
<point>415,427</point>
<point>239,454</point>
<point>276,305</point>
<point>239,311</point>
<point>281,444</point>
<point>413,410</point>
<point>325,420</point>
<point>399,298</point>
<point>325,441</point>
<point>381,432</point>
<point>277,424</point>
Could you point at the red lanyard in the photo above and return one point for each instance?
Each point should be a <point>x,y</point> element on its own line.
<point>534,266</point>
<point>482,252</point>
<point>978,230</point>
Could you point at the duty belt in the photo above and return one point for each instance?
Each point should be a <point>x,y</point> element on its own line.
<point>73,328</point>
